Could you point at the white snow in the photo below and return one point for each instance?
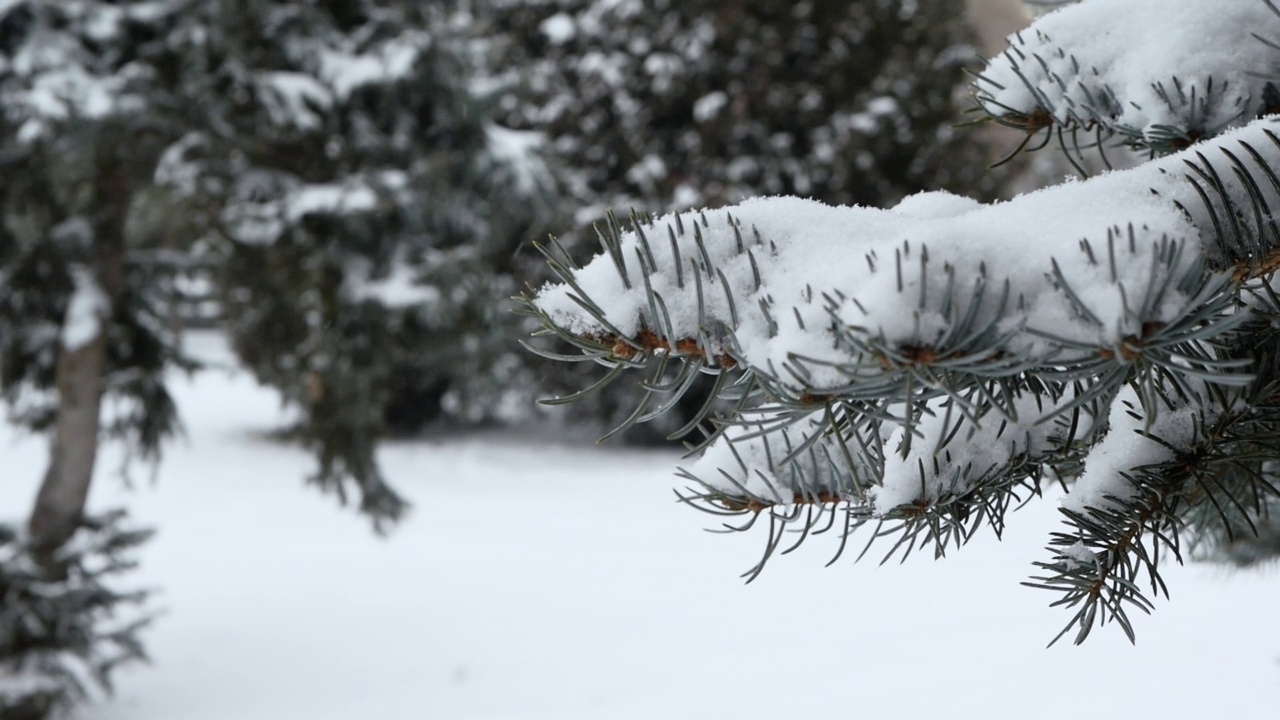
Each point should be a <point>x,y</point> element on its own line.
<point>559,28</point>
<point>1070,62</point>
<point>345,70</point>
<point>883,274</point>
<point>517,152</point>
<point>293,98</point>
<point>930,471</point>
<point>86,310</point>
<point>935,205</point>
<point>1080,261</point>
<point>400,287</point>
<point>1078,553</point>
<point>347,197</point>
<point>1128,446</point>
<point>543,578</point>
<point>708,106</point>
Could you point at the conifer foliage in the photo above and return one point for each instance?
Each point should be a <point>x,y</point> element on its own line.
<point>329,167</point>
<point>366,217</point>
<point>649,105</point>
<point>916,374</point>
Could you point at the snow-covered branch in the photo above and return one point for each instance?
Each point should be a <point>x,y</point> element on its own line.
<point>924,368</point>
<point>1158,75</point>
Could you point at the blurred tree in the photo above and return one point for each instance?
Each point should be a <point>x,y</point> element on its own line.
<point>697,104</point>
<point>366,211</point>
<point>333,167</point>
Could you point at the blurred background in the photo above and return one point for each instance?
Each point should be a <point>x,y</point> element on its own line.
<point>252,246</point>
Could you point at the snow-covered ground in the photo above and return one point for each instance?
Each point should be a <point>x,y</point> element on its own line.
<point>539,578</point>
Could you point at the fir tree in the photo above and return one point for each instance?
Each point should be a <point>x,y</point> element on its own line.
<point>925,370</point>
<point>366,214</point>
<point>84,345</point>
<point>333,169</point>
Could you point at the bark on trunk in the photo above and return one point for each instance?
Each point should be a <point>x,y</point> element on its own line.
<point>81,374</point>
<point>60,502</point>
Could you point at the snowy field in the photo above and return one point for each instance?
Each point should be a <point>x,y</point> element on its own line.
<point>540,578</point>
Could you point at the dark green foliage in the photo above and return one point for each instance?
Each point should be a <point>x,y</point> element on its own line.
<point>366,221</point>
<point>77,196</point>
<point>688,104</point>
<point>63,628</point>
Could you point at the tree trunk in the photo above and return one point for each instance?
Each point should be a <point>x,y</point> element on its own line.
<point>81,374</point>
<point>60,502</point>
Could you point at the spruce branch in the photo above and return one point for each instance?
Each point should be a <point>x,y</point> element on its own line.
<point>928,369</point>
<point>924,370</point>
<point>1167,84</point>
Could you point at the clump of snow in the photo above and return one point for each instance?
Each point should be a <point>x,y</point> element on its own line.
<point>943,463</point>
<point>935,204</point>
<point>86,311</point>
<point>329,198</point>
<point>1132,442</point>
<point>398,287</point>
<point>1078,555</point>
<point>65,93</point>
<point>559,28</point>
<point>1192,65</point>
<point>708,106</point>
<point>271,202</point>
<point>293,99</point>
<point>345,71</point>
<point>175,171</point>
<point>517,152</point>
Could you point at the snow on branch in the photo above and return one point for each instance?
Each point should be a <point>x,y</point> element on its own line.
<point>1180,71</point>
<point>924,369</point>
<point>848,300</point>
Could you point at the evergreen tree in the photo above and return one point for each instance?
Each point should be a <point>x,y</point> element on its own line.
<point>367,214</point>
<point>927,369</point>
<point>330,164</point>
<point>84,345</point>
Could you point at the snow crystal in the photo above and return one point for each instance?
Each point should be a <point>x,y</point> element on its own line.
<point>1158,76</point>
<point>86,310</point>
